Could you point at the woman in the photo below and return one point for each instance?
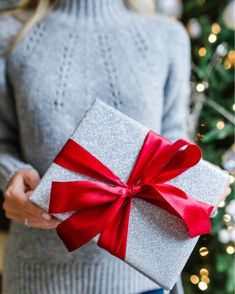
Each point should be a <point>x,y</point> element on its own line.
<point>66,57</point>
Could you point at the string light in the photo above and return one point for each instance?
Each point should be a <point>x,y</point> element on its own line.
<point>221,204</point>
<point>204,272</point>
<point>220,125</point>
<point>233,107</point>
<point>221,50</point>
<point>212,38</point>
<point>202,51</point>
<point>230,228</point>
<point>215,28</point>
<point>200,87</point>
<point>194,279</point>
<point>203,251</point>
<point>205,279</point>
<point>202,286</point>
<point>230,249</point>
<point>231,56</point>
<point>199,137</point>
<point>227,64</point>
<point>227,218</point>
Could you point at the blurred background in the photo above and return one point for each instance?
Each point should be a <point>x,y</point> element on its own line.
<point>210,25</point>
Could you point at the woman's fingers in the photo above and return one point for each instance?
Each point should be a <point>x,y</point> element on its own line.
<point>32,220</point>
<point>35,210</point>
<point>24,205</point>
<point>17,196</point>
<point>227,192</point>
<point>31,178</point>
<point>17,205</point>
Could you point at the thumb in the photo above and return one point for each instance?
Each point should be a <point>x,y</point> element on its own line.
<point>31,178</point>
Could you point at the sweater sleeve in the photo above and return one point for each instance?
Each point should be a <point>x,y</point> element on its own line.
<point>177,86</point>
<point>10,155</point>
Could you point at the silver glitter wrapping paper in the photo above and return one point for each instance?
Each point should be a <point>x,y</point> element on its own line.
<point>158,244</point>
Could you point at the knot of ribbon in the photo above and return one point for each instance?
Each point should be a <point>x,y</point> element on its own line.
<point>102,205</point>
<point>133,190</point>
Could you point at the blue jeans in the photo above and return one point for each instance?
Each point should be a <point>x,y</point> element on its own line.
<point>159,291</point>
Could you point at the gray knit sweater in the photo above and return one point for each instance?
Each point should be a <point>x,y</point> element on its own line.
<point>83,50</point>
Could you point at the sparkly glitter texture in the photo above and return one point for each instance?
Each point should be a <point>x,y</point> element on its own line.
<point>158,243</point>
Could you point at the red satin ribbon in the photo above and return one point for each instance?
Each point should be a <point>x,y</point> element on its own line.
<point>104,207</point>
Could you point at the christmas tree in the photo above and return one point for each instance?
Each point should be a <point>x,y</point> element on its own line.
<point>210,25</point>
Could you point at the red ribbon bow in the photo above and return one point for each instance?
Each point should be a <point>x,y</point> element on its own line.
<point>104,207</point>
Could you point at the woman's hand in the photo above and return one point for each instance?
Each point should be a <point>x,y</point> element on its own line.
<point>227,188</point>
<point>227,192</point>
<point>17,205</point>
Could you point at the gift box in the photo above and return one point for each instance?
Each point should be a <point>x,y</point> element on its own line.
<point>140,196</point>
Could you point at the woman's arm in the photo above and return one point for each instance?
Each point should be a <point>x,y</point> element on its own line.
<point>17,178</point>
<point>177,86</point>
<point>10,157</point>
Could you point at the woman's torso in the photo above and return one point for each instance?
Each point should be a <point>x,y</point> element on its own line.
<point>56,72</point>
<point>60,68</point>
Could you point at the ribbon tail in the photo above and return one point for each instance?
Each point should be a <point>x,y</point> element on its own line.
<point>85,224</point>
<point>197,219</point>
<point>114,237</point>
<point>195,214</point>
